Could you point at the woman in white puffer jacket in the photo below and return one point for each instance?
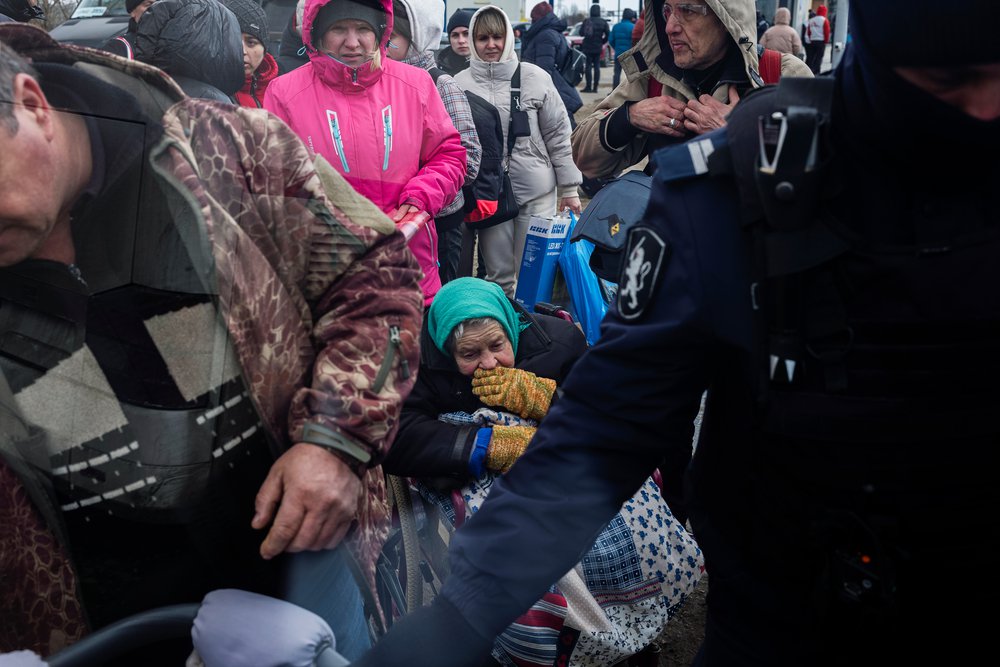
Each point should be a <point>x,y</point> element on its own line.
<point>542,172</point>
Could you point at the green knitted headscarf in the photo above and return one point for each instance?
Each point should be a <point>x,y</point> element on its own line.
<point>468,298</point>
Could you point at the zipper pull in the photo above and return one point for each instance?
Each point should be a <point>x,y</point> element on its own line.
<point>404,365</point>
<point>338,140</point>
<point>386,135</point>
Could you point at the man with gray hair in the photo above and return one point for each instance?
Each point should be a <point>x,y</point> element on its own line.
<point>205,341</point>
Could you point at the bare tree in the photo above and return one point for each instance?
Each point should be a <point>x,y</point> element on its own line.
<point>57,11</point>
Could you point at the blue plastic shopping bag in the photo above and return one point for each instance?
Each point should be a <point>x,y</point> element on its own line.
<point>587,299</point>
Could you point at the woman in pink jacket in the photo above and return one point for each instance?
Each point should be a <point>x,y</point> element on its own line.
<point>379,122</point>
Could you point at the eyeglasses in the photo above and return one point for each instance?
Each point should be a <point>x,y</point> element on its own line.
<point>684,12</point>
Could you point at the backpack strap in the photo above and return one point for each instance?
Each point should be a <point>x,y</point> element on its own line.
<point>770,65</point>
<point>515,105</point>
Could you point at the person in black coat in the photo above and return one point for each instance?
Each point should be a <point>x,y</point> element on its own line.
<point>455,57</point>
<point>291,52</point>
<point>538,347</point>
<point>544,45</point>
<point>21,10</point>
<point>596,33</point>
<point>124,45</point>
<point>197,42</point>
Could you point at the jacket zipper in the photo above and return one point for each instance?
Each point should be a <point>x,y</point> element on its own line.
<point>338,141</point>
<point>390,356</point>
<point>386,135</point>
<point>433,246</point>
<point>253,91</point>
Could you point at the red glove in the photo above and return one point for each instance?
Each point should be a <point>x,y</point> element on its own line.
<point>484,209</point>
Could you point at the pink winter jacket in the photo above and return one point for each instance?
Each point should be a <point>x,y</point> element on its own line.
<point>385,129</point>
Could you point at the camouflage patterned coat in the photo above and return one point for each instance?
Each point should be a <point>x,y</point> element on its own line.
<point>310,278</point>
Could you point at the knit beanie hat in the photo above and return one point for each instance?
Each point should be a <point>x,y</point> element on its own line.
<point>251,17</point>
<point>902,38</point>
<point>541,9</point>
<point>401,21</point>
<point>469,298</point>
<point>131,4</point>
<point>358,10</point>
<point>460,19</point>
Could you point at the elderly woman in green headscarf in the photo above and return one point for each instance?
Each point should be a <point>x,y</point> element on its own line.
<point>479,349</point>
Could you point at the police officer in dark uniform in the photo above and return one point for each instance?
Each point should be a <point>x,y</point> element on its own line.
<point>836,295</point>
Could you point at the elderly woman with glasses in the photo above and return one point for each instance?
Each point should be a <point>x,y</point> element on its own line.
<point>693,63</point>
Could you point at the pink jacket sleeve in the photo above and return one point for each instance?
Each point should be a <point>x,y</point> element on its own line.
<point>442,159</point>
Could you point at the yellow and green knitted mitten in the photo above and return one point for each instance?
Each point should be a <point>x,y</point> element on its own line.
<point>514,390</point>
<point>507,445</point>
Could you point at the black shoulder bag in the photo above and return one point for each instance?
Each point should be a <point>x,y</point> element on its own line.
<point>507,208</point>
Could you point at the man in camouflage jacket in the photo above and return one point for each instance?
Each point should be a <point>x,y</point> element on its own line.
<point>196,291</point>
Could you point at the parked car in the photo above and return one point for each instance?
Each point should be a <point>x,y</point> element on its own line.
<point>574,38</point>
<point>93,23</point>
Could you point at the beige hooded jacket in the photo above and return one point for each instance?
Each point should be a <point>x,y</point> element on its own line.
<point>652,58</point>
<point>782,37</point>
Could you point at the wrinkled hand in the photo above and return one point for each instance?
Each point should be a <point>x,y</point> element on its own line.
<point>707,113</point>
<point>571,203</point>
<point>506,446</point>
<point>654,114</point>
<point>316,496</point>
<point>512,389</point>
<point>412,222</point>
